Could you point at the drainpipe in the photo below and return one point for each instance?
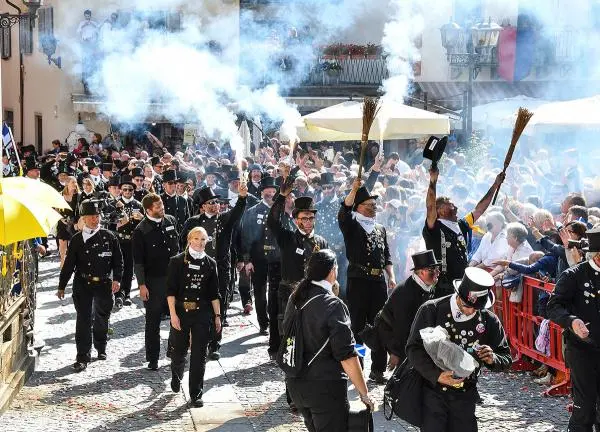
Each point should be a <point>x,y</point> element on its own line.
<point>21,82</point>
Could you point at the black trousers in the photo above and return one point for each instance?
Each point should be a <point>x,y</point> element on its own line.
<point>365,299</point>
<point>283,295</point>
<point>154,309</point>
<point>245,287</point>
<point>323,404</point>
<point>93,304</point>
<point>127,277</point>
<point>273,306</point>
<point>449,411</point>
<point>585,377</point>
<point>215,338</point>
<point>198,323</point>
<point>260,278</point>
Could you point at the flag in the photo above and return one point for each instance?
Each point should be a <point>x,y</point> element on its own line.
<point>8,147</point>
<point>516,50</point>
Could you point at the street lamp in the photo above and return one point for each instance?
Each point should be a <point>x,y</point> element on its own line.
<point>479,42</point>
<point>9,20</point>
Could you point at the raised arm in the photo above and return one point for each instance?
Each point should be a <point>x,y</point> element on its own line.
<point>431,197</point>
<point>275,217</point>
<point>485,202</point>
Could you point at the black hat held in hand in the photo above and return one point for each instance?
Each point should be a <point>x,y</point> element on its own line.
<point>435,149</point>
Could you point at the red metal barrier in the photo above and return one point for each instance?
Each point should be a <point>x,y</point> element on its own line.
<point>519,322</point>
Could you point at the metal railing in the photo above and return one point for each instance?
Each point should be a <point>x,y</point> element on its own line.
<point>352,72</point>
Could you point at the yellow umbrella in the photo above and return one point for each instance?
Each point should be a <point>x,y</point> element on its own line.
<point>37,191</point>
<point>23,217</point>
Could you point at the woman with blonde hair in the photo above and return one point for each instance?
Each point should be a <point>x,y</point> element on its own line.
<point>193,298</point>
<point>66,226</point>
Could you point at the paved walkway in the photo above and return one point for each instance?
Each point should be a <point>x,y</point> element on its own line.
<point>243,391</point>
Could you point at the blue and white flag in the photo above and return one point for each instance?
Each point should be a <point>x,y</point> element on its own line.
<point>8,147</point>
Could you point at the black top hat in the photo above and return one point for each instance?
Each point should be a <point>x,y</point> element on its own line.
<point>233,174</point>
<point>64,168</point>
<point>303,204</point>
<point>206,194</point>
<point>107,166</point>
<point>327,178</point>
<point>113,181</point>
<point>425,259</point>
<point>170,176</point>
<point>91,164</point>
<point>435,149</point>
<point>475,288</point>
<point>182,176</point>
<point>88,208</point>
<point>593,236</point>
<point>31,163</point>
<point>363,195</point>
<point>137,172</point>
<point>70,159</point>
<point>268,182</point>
<point>126,180</point>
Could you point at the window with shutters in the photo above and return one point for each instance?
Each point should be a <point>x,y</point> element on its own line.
<point>25,35</point>
<point>45,25</point>
<point>5,43</point>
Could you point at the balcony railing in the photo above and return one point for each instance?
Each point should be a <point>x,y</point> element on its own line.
<point>351,72</point>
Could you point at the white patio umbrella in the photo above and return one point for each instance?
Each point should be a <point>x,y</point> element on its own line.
<point>343,122</point>
<point>557,116</point>
<point>502,114</point>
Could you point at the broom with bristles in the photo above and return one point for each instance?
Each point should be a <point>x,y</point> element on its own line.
<point>370,110</point>
<point>523,118</point>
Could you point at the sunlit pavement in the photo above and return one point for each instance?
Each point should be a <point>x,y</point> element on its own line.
<point>244,391</point>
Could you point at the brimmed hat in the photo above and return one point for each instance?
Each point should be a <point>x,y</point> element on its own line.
<point>327,178</point>
<point>435,149</point>
<point>268,182</point>
<point>137,172</point>
<point>127,180</point>
<point>213,171</point>
<point>107,166</point>
<point>233,174</point>
<point>475,288</point>
<point>170,176</point>
<point>91,164</point>
<point>206,194</point>
<point>31,163</point>
<point>88,208</point>
<point>255,167</point>
<point>424,259</point>
<point>593,237</point>
<point>363,195</point>
<point>303,204</point>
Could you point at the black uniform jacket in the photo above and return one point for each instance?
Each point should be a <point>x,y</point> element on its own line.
<point>125,232</point>
<point>96,258</point>
<point>397,315</point>
<point>366,253</point>
<point>258,241</point>
<point>223,230</point>
<point>324,317</point>
<point>177,207</point>
<point>153,245</point>
<point>482,329</point>
<point>190,279</point>
<point>296,248</point>
<point>577,295</point>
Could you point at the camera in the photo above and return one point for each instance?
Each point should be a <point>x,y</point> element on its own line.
<point>578,244</point>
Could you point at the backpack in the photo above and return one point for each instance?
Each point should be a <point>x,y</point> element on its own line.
<point>290,355</point>
<point>403,395</point>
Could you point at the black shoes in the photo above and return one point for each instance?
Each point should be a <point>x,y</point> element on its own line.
<point>153,365</point>
<point>377,377</point>
<point>264,331</point>
<point>214,355</point>
<point>79,366</point>
<point>197,402</point>
<point>175,384</point>
<point>118,304</point>
<point>101,356</point>
<point>127,302</point>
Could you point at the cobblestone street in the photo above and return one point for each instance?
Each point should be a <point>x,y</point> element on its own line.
<point>243,390</point>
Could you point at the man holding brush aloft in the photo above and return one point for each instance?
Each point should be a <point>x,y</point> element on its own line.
<point>449,236</point>
<point>575,305</point>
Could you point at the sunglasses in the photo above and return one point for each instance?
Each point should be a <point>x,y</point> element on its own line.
<point>327,186</point>
<point>127,189</point>
<point>212,202</point>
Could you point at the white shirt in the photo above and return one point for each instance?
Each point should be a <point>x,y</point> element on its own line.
<point>233,197</point>
<point>423,285</point>
<point>490,251</point>
<point>457,315</point>
<point>196,255</point>
<point>88,233</point>
<point>88,30</point>
<point>522,252</point>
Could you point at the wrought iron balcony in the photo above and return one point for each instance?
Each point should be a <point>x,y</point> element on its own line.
<point>351,72</point>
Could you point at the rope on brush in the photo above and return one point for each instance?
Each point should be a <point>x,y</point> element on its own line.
<point>370,109</point>
<point>523,118</point>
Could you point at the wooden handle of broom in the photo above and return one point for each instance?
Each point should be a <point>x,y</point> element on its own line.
<point>363,151</point>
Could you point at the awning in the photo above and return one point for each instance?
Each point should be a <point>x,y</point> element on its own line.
<point>450,93</point>
<point>83,103</point>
